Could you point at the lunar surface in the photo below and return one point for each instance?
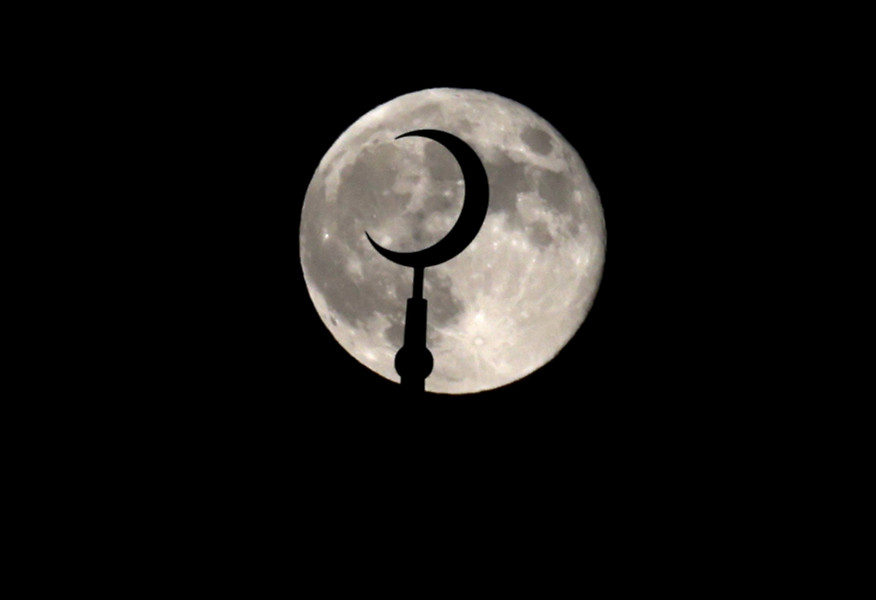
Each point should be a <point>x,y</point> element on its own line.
<point>513,298</point>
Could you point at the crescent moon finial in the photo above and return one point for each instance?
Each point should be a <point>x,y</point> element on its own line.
<point>474,206</point>
<point>414,361</point>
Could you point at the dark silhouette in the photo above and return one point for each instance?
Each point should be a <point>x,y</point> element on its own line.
<point>414,362</point>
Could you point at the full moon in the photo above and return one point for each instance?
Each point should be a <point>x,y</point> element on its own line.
<point>513,298</point>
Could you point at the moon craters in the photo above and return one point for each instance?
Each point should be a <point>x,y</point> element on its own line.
<point>538,140</point>
<point>508,303</point>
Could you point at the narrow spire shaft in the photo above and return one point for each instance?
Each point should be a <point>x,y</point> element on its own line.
<point>418,282</point>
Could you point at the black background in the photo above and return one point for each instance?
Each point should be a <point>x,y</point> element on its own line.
<point>233,396</point>
<point>242,126</point>
<point>215,379</point>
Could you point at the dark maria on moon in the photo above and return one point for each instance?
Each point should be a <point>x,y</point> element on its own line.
<point>513,298</point>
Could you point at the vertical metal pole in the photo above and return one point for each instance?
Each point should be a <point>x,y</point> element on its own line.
<point>413,361</point>
<point>418,282</point>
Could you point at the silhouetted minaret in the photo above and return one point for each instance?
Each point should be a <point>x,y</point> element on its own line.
<point>414,362</point>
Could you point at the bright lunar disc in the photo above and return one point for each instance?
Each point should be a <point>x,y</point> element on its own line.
<point>513,298</point>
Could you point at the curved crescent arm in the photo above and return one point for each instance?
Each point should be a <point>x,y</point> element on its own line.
<point>474,206</point>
